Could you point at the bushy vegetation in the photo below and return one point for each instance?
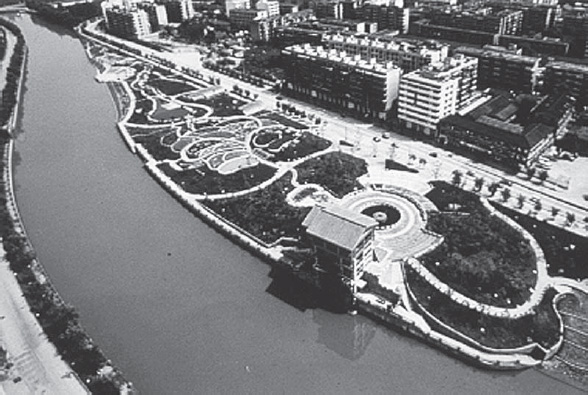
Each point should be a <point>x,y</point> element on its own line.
<point>69,16</point>
<point>335,171</point>
<point>12,73</point>
<point>307,144</point>
<point>541,327</point>
<point>204,180</point>
<point>264,214</point>
<point>565,252</point>
<point>223,105</point>
<point>374,287</point>
<point>482,256</point>
<point>152,144</point>
<point>448,197</point>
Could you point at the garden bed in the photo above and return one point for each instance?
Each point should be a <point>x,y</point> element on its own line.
<point>482,256</point>
<point>541,327</point>
<point>153,145</point>
<point>264,214</point>
<point>448,197</point>
<point>171,87</point>
<point>336,171</point>
<point>207,181</point>
<point>556,243</point>
<point>223,105</point>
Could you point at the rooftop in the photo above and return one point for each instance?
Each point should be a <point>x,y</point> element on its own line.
<point>337,225</point>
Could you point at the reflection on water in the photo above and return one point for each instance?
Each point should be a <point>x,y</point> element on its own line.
<point>348,336</point>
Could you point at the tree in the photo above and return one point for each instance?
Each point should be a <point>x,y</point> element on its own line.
<point>521,200</point>
<point>543,175</point>
<point>538,205</point>
<point>530,172</point>
<point>493,188</point>
<point>479,183</point>
<point>570,217</point>
<point>554,211</point>
<point>456,178</point>
<point>505,195</point>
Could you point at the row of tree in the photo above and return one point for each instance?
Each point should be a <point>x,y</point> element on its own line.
<point>13,71</point>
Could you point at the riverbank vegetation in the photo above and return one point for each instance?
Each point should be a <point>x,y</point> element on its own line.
<point>542,326</point>
<point>482,256</point>
<point>264,214</point>
<point>67,16</point>
<point>58,319</point>
<point>335,171</point>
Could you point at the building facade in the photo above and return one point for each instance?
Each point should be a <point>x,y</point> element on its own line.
<point>333,79</point>
<point>436,91</point>
<point>126,23</point>
<point>503,70</point>
<point>567,77</point>
<point>343,241</point>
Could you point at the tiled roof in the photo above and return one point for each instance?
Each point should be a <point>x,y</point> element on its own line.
<point>337,225</point>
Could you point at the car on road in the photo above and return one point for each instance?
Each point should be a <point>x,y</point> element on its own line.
<point>433,154</point>
<point>386,135</point>
<point>506,182</point>
<point>377,139</point>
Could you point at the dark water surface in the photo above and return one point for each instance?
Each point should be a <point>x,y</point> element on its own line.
<point>175,305</point>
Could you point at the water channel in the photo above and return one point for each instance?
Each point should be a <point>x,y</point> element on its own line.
<point>178,308</point>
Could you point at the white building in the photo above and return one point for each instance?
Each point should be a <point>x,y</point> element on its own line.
<point>126,23</point>
<point>408,55</point>
<point>236,4</point>
<point>271,7</point>
<point>428,95</point>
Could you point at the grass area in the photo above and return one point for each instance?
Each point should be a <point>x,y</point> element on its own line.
<point>171,87</point>
<point>223,105</point>
<point>393,165</point>
<point>335,171</point>
<point>274,116</point>
<point>292,147</point>
<point>542,327</point>
<point>265,214</point>
<point>564,251</point>
<point>482,256</point>
<point>142,108</point>
<point>204,180</point>
<point>448,197</point>
<point>152,144</point>
<point>163,114</point>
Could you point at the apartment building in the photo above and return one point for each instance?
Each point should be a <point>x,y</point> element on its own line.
<point>503,70</point>
<point>333,79</point>
<point>236,4</point>
<point>126,23</point>
<point>436,91</point>
<point>243,18</point>
<point>271,7</point>
<point>483,19</point>
<point>567,77</point>
<point>408,55</point>
<point>387,17</point>
<point>177,10</point>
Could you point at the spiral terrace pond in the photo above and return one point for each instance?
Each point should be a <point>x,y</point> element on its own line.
<point>177,307</point>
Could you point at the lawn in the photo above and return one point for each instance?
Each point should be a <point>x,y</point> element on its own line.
<point>542,327</point>
<point>335,171</point>
<point>448,197</point>
<point>223,105</point>
<point>564,251</point>
<point>205,180</point>
<point>482,256</point>
<point>153,145</point>
<point>265,214</point>
<point>171,87</point>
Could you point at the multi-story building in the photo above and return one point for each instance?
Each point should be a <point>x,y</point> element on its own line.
<point>271,7</point>
<point>288,8</point>
<point>265,29</point>
<point>331,9</point>
<point>157,15</point>
<point>243,18</point>
<point>537,19</point>
<point>483,19</point>
<point>333,79</point>
<point>178,10</point>
<point>236,4</point>
<point>387,17</point>
<point>436,91</point>
<point>343,241</point>
<point>567,77</point>
<point>126,23</point>
<point>408,55</point>
<point>425,28</point>
<point>503,70</point>
<point>544,46</point>
<point>499,131</point>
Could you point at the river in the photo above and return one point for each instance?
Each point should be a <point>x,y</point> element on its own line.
<point>180,309</point>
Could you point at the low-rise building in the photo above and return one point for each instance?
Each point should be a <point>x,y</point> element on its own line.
<point>512,132</point>
<point>436,91</point>
<point>408,55</point>
<point>343,241</point>
<point>242,18</point>
<point>336,80</point>
<point>544,46</point>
